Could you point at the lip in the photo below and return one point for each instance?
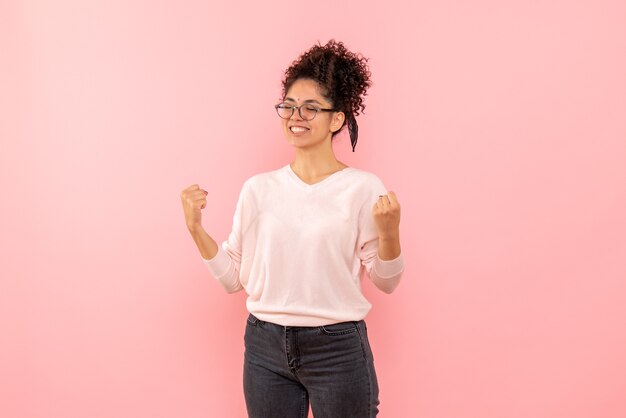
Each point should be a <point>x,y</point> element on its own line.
<point>298,134</point>
<point>299,126</point>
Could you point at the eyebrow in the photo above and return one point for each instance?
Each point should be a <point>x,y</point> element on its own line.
<point>306,101</point>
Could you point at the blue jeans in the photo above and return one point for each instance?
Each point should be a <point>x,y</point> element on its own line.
<point>330,366</point>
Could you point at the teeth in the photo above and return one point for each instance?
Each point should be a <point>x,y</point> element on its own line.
<point>298,129</point>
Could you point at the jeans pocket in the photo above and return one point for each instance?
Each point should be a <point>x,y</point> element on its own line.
<point>341,328</point>
<point>252,320</point>
<point>365,342</point>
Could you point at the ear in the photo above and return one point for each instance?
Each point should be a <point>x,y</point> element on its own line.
<point>337,122</point>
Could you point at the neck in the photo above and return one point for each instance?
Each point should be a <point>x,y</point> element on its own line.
<point>312,164</point>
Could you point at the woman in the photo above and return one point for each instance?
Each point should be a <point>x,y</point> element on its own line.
<point>301,236</point>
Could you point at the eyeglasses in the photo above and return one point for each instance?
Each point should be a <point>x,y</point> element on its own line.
<point>306,111</point>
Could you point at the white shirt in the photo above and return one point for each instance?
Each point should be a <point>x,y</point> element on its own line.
<point>299,250</point>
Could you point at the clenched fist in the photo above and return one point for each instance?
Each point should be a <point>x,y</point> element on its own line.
<point>386,214</point>
<point>194,200</point>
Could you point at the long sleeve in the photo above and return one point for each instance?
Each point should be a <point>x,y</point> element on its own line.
<point>300,251</point>
<point>226,264</point>
<point>385,274</point>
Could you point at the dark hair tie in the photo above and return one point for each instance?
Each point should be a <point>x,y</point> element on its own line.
<point>353,129</point>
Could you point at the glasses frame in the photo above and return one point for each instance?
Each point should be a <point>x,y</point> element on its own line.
<point>285,105</point>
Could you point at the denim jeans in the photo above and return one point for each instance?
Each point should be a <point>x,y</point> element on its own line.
<point>330,366</point>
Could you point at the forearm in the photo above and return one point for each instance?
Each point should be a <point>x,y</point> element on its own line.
<point>387,268</point>
<point>206,245</point>
<point>389,247</point>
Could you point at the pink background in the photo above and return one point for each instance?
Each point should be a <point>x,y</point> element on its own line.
<point>501,126</point>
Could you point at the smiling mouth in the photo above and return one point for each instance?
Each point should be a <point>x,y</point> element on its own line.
<point>298,129</point>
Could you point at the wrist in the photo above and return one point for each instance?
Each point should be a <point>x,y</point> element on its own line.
<point>395,237</point>
<point>195,229</point>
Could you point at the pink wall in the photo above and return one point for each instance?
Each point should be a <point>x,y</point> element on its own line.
<point>500,126</point>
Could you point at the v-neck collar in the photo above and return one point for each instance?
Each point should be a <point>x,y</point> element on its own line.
<point>307,186</point>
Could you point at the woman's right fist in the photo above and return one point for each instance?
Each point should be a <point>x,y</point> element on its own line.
<point>194,200</point>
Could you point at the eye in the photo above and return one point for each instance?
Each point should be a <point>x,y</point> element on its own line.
<point>310,108</point>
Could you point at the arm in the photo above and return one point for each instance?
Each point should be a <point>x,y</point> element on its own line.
<point>389,248</point>
<point>384,273</point>
<point>379,240</point>
<point>224,262</point>
<point>206,245</point>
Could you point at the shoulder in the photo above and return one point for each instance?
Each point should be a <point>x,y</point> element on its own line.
<point>367,179</point>
<point>264,179</point>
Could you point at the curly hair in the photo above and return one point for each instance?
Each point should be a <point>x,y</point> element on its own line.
<point>343,78</point>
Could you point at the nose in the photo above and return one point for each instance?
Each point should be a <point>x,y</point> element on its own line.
<point>296,113</point>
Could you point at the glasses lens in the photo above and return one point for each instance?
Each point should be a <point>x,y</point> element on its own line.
<point>284,110</point>
<point>308,112</point>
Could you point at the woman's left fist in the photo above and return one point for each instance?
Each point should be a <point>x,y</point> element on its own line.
<point>386,214</point>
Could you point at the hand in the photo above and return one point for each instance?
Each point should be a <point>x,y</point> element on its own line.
<point>193,199</point>
<point>386,214</point>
